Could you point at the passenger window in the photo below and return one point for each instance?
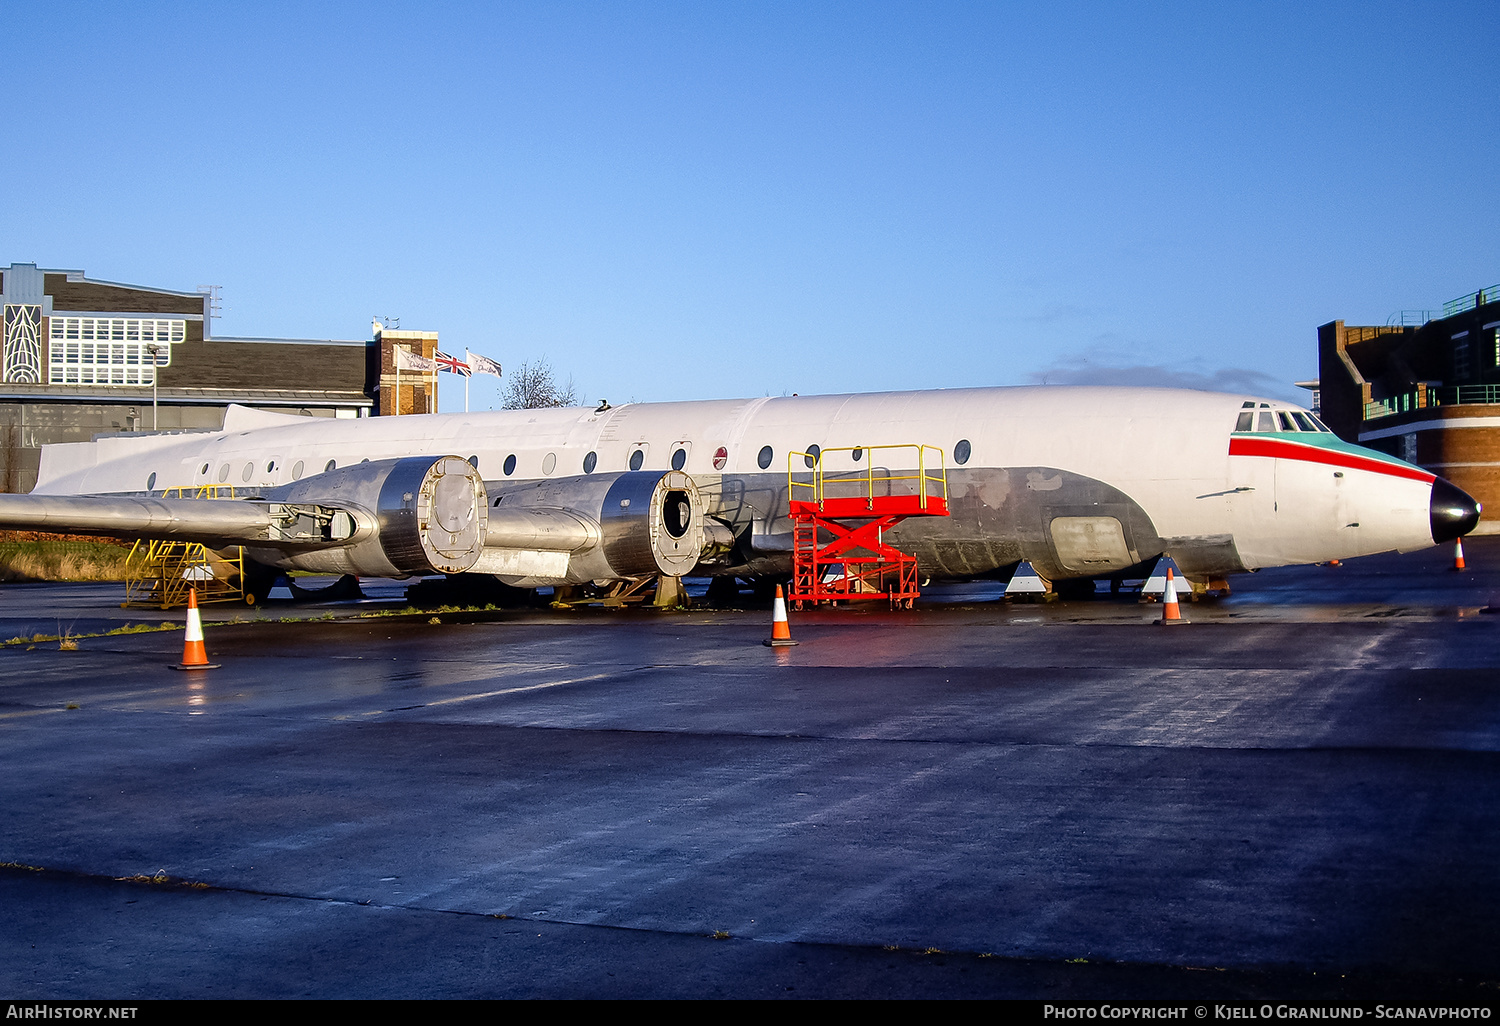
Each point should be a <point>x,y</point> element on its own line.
<point>203,469</point>
<point>474,462</point>
<point>297,471</point>
<point>961,452</point>
<point>332,465</point>
<point>1246,422</point>
<point>590,462</point>
<point>813,452</point>
<point>637,459</point>
<point>510,465</point>
<point>764,457</point>
<point>248,472</point>
<point>224,473</point>
<point>679,459</point>
<point>549,463</point>
<point>151,481</point>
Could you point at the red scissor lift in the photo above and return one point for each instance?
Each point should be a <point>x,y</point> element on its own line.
<point>844,507</point>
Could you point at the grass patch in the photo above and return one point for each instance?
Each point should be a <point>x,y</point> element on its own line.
<point>62,561</point>
<point>68,641</point>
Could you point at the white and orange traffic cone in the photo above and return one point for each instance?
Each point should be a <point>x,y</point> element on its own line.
<point>781,632</point>
<point>194,655</point>
<point>1171,613</point>
<point>1458,553</point>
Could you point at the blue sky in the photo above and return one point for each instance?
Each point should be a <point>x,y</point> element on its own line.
<point>722,199</point>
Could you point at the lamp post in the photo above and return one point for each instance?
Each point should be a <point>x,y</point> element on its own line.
<point>153,349</point>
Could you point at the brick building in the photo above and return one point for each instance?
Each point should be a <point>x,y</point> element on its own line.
<point>80,357</point>
<point>1425,388</point>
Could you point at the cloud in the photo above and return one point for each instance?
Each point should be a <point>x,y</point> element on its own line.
<point>1082,371</point>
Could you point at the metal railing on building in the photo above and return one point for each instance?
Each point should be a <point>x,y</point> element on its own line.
<point>1430,398</point>
<point>1471,301</point>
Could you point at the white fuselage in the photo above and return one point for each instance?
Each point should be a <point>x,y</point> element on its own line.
<point>1157,462</point>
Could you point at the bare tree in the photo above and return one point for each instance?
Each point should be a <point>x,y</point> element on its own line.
<point>532,387</point>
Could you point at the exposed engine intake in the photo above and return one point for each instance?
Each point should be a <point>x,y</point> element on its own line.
<point>652,524</point>
<point>600,527</point>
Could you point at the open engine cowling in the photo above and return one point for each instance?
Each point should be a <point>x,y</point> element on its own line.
<point>600,527</point>
<point>389,518</point>
<point>652,524</point>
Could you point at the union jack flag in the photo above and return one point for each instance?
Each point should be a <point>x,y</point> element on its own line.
<point>451,364</point>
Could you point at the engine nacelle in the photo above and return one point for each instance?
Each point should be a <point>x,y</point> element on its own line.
<point>600,527</point>
<point>390,518</point>
<point>652,524</point>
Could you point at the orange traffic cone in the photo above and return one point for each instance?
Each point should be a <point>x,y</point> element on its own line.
<point>1458,553</point>
<point>1170,612</point>
<point>781,633</point>
<point>194,655</point>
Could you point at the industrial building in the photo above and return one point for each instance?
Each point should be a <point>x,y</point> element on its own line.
<point>1424,387</point>
<point>80,357</point>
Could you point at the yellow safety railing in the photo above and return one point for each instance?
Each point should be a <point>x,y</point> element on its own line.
<point>931,475</point>
<point>159,574</point>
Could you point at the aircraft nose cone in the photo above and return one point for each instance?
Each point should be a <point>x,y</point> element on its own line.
<point>1454,512</point>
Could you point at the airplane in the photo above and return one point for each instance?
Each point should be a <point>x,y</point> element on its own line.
<point>1082,482</point>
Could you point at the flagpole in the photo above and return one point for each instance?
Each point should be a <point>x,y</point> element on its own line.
<point>398,381</point>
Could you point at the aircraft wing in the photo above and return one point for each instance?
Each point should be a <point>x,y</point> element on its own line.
<point>396,517</point>
<point>214,522</point>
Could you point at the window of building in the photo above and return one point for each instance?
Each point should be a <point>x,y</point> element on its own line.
<point>1461,360</point>
<point>110,350</point>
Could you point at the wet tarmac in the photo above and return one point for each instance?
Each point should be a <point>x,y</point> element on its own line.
<point>1294,797</point>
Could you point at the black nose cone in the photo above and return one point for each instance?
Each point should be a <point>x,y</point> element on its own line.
<point>1454,512</point>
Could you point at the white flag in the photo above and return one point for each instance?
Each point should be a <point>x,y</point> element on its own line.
<point>409,361</point>
<point>482,364</point>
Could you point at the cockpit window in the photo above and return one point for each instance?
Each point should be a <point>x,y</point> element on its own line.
<point>1319,424</point>
<point>1246,422</point>
<point>1286,421</point>
<point>1266,422</point>
<point>1303,421</point>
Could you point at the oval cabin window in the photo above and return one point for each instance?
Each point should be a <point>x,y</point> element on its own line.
<point>763,458</point>
<point>961,452</point>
